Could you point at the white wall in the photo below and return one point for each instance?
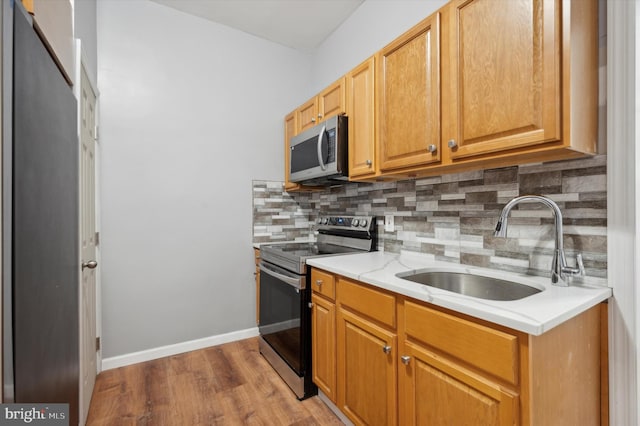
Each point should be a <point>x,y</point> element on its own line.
<point>371,27</point>
<point>84,28</point>
<point>191,112</point>
<point>623,181</point>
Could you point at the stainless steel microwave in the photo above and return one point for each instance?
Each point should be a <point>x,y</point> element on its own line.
<point>318,156</point>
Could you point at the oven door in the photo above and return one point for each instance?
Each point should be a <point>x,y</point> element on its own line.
<point>284,315</point>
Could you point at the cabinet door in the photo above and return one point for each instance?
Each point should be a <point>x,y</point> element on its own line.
<point>409,96</point>
<point>307,115</point>
<point>323,338</point>
<point>505,74</point>
<point>331,101</point>
<point>361,112</point>
<point>367,371</point>
<point>436,391</point>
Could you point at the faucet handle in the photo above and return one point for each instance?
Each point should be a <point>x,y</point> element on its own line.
<point>578,271</point>
<point>580,264</point>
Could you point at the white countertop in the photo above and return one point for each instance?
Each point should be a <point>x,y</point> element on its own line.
<point>534,315</point>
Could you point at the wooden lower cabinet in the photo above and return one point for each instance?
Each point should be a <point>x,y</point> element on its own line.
<point>407,362</point>
<point>435,391</point>
<point>367,370</point>
<point>323,334</point>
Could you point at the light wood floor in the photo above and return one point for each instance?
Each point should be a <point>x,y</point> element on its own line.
<point>230,384</point>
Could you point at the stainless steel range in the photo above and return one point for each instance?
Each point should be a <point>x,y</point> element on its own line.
<point>285,315</point>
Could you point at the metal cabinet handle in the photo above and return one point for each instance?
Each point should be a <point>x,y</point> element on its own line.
<point>319,115</point>
<point>313,120</point>
<point>321,136</point>
<point>405,359</point>
<point>90,264</point>
<point>368,163</point>
<point>319,282</point>
<point>310,304</point>
<point>452,143</point>
<point>432,148</point>
<point>386,349</point>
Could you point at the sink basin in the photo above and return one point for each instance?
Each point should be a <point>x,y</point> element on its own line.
<point>472,285</point>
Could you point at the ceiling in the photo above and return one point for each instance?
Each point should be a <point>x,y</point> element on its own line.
<point>300,24</point>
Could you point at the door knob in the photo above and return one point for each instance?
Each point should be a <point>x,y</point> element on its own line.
<point>452,143</point>
<point>386,349</point>
<point>405,359</point>
<point>90,264</point>
<point>432,148</point>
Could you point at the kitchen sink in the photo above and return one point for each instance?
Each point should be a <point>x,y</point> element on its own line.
<point>472,285</point>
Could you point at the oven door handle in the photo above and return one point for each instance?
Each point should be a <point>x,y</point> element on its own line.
<point>294,282</point>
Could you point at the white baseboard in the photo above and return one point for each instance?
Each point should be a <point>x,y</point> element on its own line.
<point>178,348</point>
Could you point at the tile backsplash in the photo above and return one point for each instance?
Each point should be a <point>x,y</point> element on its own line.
<point>452,217</point>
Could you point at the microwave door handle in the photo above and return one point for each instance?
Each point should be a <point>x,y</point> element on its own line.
<point>320,137</point>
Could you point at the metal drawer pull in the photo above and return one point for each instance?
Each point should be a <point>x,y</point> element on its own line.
<point>368,162</point>
<point>386,349</point>
<point>432,148</point>
<point>319,282</point>
<point>452,143</point>
<point>405,359</point>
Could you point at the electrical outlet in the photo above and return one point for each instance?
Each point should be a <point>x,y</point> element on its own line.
<point>388,223</point>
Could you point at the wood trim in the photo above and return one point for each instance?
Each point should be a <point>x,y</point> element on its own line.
<point>28,5</point>
<point>573,397</point>
<point>604,364</point>
<point>580,74</point>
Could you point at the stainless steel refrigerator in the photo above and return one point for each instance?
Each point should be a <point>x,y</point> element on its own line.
<point>40,221</point>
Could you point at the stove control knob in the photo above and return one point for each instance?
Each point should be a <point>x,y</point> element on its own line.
<point>319,221</point>
<point>332,220</point>
<point>355,222</point>
<point>325,220</point>
<point>363,223</point>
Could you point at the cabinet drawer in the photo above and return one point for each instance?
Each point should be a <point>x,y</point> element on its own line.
<point>373,303</point>
<point>490,350</point>
<point>323,283</point>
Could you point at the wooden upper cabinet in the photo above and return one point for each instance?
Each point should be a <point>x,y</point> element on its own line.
<point>409,97</point>
<point>360,86</point>
<point>307,115</point>
<point>331,101</point>
<point>53,21</point>
<point>506,80</point>
<point>523,79</point>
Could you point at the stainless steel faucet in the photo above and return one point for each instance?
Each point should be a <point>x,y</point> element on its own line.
<point>560,271</point>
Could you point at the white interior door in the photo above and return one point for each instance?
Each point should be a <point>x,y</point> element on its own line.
<point>88,346</point>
